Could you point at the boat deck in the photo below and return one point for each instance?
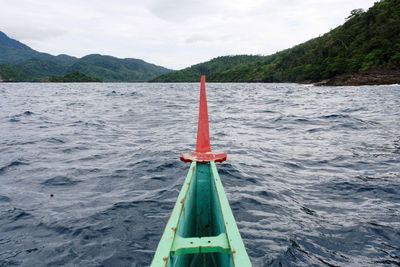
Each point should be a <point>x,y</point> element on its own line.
<point>201,230</point>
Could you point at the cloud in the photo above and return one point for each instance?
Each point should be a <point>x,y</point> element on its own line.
<point>207,38</point>
<point>179,11</point>
<point>30,33</point>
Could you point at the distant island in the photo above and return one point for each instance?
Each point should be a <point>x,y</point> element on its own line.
<point>73,77</point>
<point>364,50</point>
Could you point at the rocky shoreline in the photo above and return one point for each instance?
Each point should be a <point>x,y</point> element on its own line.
<point>370,77</point>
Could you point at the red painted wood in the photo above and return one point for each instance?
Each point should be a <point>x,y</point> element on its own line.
<point>203,157</point>
<point>203,131</point>
<point>203,148</point>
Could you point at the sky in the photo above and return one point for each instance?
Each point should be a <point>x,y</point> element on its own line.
<point>171,33</point>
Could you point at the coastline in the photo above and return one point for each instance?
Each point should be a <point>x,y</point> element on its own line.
<point>370,77</point>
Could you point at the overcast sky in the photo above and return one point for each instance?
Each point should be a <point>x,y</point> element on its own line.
<point>171,33</point>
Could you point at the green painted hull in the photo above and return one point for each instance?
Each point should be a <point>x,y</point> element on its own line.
<point>201,230</point>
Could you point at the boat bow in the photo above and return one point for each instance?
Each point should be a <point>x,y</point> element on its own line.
<point>203,152</point>
<point>201,230</point>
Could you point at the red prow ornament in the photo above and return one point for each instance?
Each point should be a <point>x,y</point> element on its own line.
<point>203,152</point>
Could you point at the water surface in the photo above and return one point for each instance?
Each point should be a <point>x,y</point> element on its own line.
<point>89,173</point>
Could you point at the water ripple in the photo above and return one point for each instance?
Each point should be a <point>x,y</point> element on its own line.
<point>89,173</point>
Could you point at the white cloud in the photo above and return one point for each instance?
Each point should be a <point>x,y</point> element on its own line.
<point>27,32</point>
<point>172,33</point>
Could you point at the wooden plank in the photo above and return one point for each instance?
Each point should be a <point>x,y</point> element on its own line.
<point>162,254</point>
<point>238,250</point>
<point>207,244</point>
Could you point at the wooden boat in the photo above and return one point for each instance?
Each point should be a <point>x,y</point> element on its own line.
<point>201,230</point>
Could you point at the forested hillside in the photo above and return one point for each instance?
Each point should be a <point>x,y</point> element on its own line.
<point>216,65</point>
<point>19,62</point>
<point>368,42</point>
<point>12,51</point>
<point>73,77</point>
<point>112,69</point>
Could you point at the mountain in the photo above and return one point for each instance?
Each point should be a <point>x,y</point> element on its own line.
<point>365,48</point>
<point>112,69</point>
<point>216,65</point>
<point>13,51</point>
<point>18,62</point>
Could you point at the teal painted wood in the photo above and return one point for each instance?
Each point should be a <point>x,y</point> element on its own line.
<point>201,230</point>
<point>238,250</point>
<point>163,256</point>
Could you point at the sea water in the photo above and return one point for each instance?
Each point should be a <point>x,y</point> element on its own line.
<point>89,173</point>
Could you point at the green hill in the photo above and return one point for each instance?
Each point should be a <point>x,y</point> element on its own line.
<point>112,69</point>
<point>367,43</point>
<point>9,74</point>
<point>12,51</point>
<point>38,69</point>
<point>216,65</point>
<point>19,62</point>
<point>73,77</point>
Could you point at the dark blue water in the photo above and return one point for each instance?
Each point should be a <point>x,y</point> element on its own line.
<point>89,173</point>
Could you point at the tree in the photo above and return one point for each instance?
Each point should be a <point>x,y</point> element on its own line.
<point>355,13</point>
